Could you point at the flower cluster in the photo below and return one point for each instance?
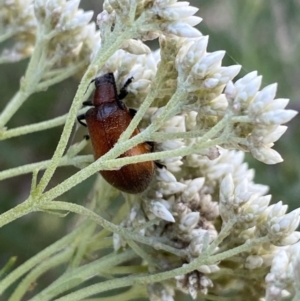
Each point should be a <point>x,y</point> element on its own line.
<point>58,24</point>
<point>17,21</point>
<point>198,194</point>
<point>65,27</point>
<point>167,17</point>
<point>260,116</point>
<point>284,276</point>
<point>203,202</point>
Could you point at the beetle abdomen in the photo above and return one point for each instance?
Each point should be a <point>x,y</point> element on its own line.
<point>106,123</point>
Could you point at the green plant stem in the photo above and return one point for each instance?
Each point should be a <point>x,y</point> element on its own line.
<point>76,276</point>
<point>242,119</point>
<point>28,168</point>
<point>8,266</point>
<point>162,136</point>
<point>29,81</point>
<point>137,291</point>
<point>6,35</point>
<point>30,204</point>
<point>122,270</point>
<point>141,253</point>
<point>34,180</point>
<point>146,225</point>
<point>215,298</point>
<point>102,164</point>
<point>60,77</point>
<point>100,245</point>
<point>14,104</point>
<point>81,250</point>
<point>297,296</point>
<point>144,279</point>
<point>225,231</point>
<point>27,129</point>
<point>46,265</point>
<point>110,226</point>
<point>40,257</point>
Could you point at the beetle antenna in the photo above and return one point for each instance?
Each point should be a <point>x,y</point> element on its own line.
<point>123,91</point>
<point>89,85</point>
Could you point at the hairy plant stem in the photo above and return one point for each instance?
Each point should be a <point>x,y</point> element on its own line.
<point>6,35</point>
<point>157,277</point>
<point>31,77</point>
<point>78,275</point>
<point>40,257</point>
<point>111,227</point>
<point>31,277</point>
<point>28,168</point>
<point>30,204</point>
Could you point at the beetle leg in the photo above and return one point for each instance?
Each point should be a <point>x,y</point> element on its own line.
<point>132,112</point>
<point>80,118</point>
<point>87,103</point>
<point>159,165</point>
<point>123,91</point>
<point>151,145</point>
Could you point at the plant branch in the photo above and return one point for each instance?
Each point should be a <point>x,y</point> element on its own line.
<point>40,257</point>
<point>28,168</point>
<point>157,277</point>
<point>57,205</point>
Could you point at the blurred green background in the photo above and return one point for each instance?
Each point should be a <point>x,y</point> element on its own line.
<point>259,35</point>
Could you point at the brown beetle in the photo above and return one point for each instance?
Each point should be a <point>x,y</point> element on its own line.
<point>106,121</point>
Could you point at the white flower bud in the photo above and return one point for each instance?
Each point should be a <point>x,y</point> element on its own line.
<point>210,83</point>
<point>165,175</point>
<point>159,210</point>
<point>274,135</point>
<point>193,20</point>
<point>164,3</point>
<point>227,189</point>
<point>230,90</point>
<point>118,243</point>
<point>180,29</point>
<point>219,104</point>
<point>78,21</point>
<point>103,18</point>
<point>266,155</point>
<point>290,239</point>
<point>212,60</point>
<point>208,269</point>
<point>140,85</point>
<point>276,104</point>
<point>177,12</point>
<point>72,6</point>
<point>276,117</point>
<point>192,189</point>
<point>171,187</point>
<point>253,262</point>
<point>246,79</point>
<point>135,47</point>
<point>276,210</point>
<point>265,96</point>
<point>228,73</point>
<point>252,87</point>
<point>189,221</point>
